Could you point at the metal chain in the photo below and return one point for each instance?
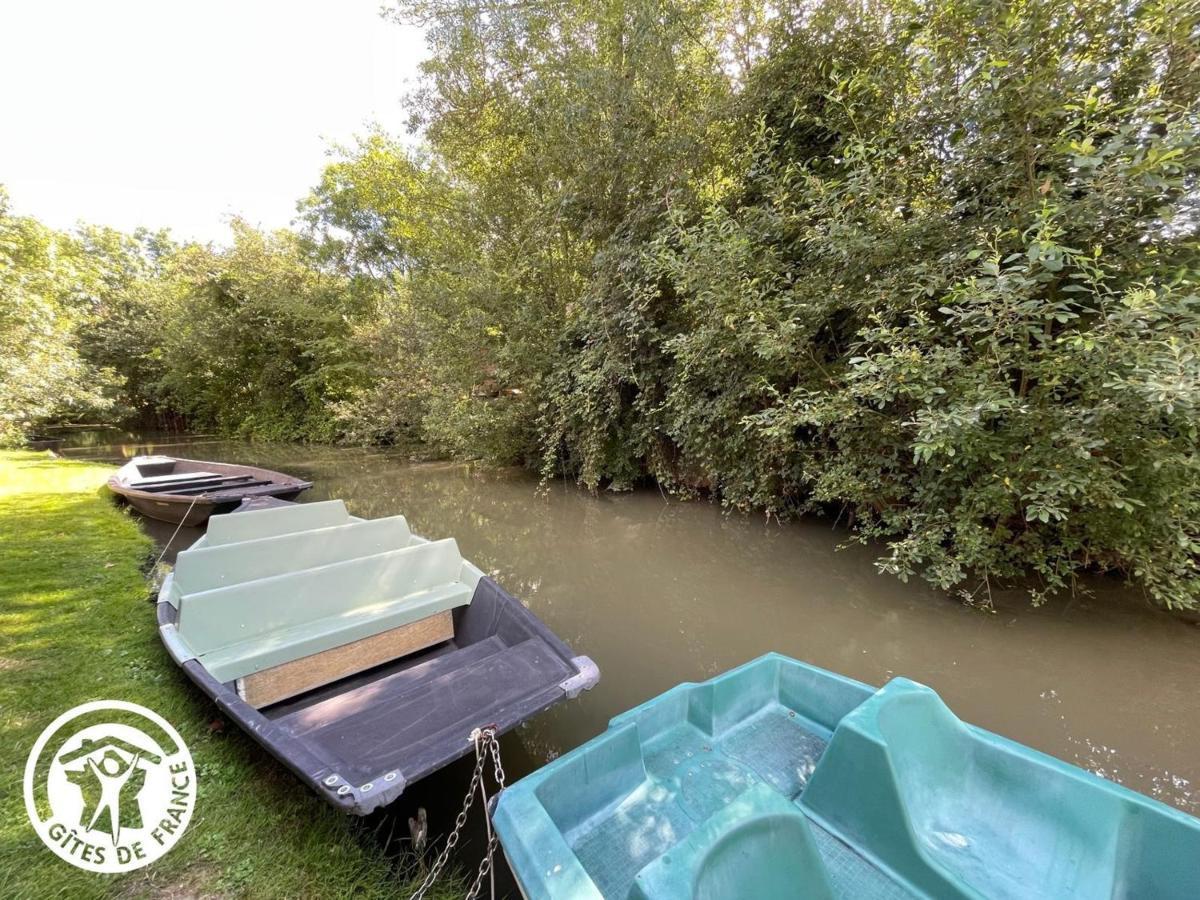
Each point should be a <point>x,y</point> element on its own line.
<point>485,742</point>
<point>485,865</point>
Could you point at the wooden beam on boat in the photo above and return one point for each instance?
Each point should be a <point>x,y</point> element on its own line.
<point>173,478</point>
<point>182,487</point>
<point>221,486</point>
<point>250,489</point>
<point>302,675</point>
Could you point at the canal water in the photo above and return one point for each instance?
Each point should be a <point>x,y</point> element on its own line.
<point>659,591</point>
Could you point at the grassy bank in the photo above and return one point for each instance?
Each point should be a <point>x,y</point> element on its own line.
<point>75,625</point>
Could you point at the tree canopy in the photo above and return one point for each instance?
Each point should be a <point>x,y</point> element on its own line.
<point>927,267</point>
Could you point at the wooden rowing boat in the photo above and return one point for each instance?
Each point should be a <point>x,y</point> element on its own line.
<point>191,490</point>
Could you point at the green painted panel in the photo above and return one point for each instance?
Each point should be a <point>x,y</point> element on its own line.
<point>210,567</point>
<point>957,811</point>
<point>212,620</point>
<point>726,789</point>
<point>261,523</point>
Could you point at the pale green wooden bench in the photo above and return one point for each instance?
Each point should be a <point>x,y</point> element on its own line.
<point>208,567</point>
<point>283,600</point>
<point>242,629</point>
<point>261,523</point>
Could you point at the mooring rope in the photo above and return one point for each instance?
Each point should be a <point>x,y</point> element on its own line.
<point>171,539</point>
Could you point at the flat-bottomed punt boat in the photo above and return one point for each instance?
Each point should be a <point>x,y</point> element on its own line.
<point>361,655</point>
<point>190,490</point>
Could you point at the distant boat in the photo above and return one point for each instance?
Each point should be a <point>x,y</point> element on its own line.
<point>359,654</point>
<point>43,442</point>
<point>779,779</point>
<point>191,490</point>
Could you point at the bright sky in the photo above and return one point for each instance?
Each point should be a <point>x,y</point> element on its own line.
<point>178,114</point>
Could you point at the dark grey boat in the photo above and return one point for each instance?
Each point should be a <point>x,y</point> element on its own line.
<point>287,616</point>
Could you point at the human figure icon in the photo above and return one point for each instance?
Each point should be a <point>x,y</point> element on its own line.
<point>112,773</point>
<point>109,769</point>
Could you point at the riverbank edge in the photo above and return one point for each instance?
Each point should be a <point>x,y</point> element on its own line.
<point>76,624</point>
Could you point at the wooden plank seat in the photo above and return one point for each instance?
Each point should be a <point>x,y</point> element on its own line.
<point>172,478</point>
<point>262,523</point>
<point>302,675</point>
<point>233,484</point>
<point>229,495</point>
<point>243,630</point>
<point>198,485</point>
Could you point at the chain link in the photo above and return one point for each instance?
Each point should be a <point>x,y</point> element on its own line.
<point>486,743</point>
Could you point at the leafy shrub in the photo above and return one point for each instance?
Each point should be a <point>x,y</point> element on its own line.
<point>256,338</point>
<point>952,295</point>
<point>43,375</point>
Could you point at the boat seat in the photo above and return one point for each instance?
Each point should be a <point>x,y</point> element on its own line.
<point>759,845</point>
<point>261,523</point>
<point>245,628</point>
<point>173,478</point>
<point>209,567</point>
<point>154,465</point>
<point>646,805</point>
<point>234,487</point>
<point>961,812</point>
<point>309,638</point>
<point>207,485</point>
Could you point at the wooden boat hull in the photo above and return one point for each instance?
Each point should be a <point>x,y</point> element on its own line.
<point>215,487</point>
<point>44,443</point>
<point>178,511</point>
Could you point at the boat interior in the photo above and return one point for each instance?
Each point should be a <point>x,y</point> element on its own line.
<point>779,779</point>
<point>373,650</point>
<point>185,477</point>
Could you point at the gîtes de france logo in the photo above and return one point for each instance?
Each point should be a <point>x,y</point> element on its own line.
<point>110,786</point>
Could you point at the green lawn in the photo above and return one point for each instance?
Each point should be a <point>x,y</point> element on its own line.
<point>76,625</point>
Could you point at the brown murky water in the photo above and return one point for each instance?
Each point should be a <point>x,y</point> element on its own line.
<point>658,592</point>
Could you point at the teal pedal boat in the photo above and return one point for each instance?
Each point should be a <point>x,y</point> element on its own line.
<point>779,779</point>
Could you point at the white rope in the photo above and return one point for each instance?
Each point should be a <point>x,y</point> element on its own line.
<point>175,533</point>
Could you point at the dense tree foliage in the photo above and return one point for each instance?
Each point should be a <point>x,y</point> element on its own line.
<point>955,292</point>
<point>256,338</point>
<point>930,268</point>
<point>51,289</point>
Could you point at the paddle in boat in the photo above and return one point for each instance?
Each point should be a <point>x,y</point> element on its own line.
<point>191,490</point>
<point>781,780</point>
<point>358,653</point>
